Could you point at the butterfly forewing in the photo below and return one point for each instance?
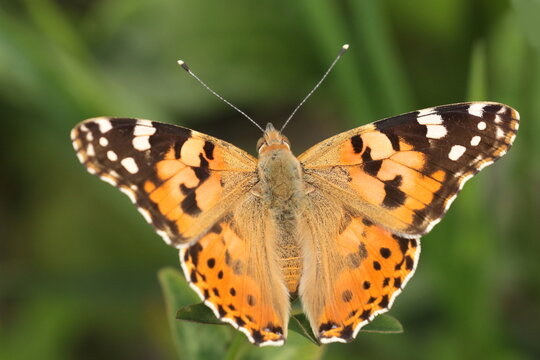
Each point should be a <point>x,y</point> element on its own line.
<point>178,178</point>
<point>404,172</point>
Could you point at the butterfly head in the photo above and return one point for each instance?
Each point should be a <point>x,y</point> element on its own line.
<point>272,140</point>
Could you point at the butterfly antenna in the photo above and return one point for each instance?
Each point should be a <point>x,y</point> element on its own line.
<point>188,70</point>
<point>344,48</point>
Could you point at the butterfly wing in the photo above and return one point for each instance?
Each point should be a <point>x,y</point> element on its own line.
<point>181,181</point>
<point>195,190</point>
<point>352,273</point>
<point>238,277</point>
<point>404,172</point>
<point>399,175</point>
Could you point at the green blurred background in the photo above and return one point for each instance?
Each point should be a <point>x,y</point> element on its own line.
<point>78,277</point>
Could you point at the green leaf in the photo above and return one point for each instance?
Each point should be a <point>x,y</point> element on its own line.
<point>300,324</point>
<point>198,313</point>
<point>384,324</point>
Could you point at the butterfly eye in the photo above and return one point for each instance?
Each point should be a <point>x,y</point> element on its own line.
<point>260,144</point>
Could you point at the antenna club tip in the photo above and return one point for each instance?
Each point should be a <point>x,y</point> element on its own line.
<point>344,48</point>
<point>183,65</point>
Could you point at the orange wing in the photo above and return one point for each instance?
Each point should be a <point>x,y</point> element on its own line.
<point>234,273</point>
<point>195,190</point>
<point>181,181</point>
<point>374,191</point>
<point>371,267</point>
<point>404,172</point>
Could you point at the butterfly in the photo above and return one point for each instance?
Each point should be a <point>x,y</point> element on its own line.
<point>339,226</point>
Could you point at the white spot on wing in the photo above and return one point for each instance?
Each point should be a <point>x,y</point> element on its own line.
<point>111,155</point>
<point>73,134</point>
<point>430,119</point>
<point>109,180</point>
<point>144,122</point>
<point>141,143</point>
<point>141,130</point>
<point>456,151</point>
<point>103,141</point>
<point>499,133</point>
<point>104,124</point>
<point>146,215</point>
<point>129,193</point>
<point>436,131</point>
<point>80,156</point>
<point>477,109</point>
<point>475,140</point>
<point>90,150</point>
<point>130,165</point>
<point>425,112</point>
<point>482,125</point>
<point>484,164</point>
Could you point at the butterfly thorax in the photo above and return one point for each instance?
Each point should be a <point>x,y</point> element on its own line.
<point>282,192</point>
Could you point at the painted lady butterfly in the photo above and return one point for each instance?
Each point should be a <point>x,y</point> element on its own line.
<point>338,225</point>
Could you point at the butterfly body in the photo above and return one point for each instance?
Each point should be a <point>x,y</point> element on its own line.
<point>282,193</point>
<point>339,225</point>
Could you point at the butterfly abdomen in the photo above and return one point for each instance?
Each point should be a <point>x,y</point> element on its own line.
<point>282,193</point>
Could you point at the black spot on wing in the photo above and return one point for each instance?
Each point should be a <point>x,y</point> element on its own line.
<point>385,252</point>
<point>327,326</point>
<point>369,165</point>
<point>239,321</point>
<point>257,336</point>
<point>194,251</point>
<point>209,150</point>
<point>202,173</point>
<point>346,333</point>
<point>347,295</point>
<point>357,144</point>
<point>204,162</point>
<point>394,197</point>
<point>384,302</point>
<point>366,314</point>
<point>189,204</point>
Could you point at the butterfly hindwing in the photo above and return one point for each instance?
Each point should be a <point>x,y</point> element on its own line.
<point>370,268</point>
<point>238,277</point>
<point>404,172</point>
<point>178,178</point>
<point>352,268</point>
